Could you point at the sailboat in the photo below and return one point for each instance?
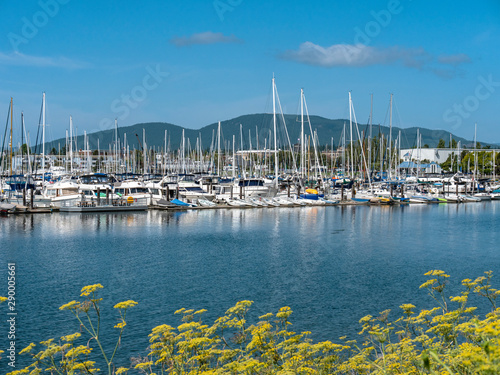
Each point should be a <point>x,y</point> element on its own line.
<point>15,186</point>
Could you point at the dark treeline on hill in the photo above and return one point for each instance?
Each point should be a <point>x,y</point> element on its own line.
<point>255,130</point>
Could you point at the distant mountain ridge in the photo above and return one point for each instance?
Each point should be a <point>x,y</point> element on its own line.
<point>254,129</point>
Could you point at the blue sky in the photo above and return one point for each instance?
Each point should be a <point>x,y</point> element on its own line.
<point>193,63</point>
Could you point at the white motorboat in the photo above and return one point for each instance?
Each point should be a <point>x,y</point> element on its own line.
<point>206,203</point>
<point>483,196</point>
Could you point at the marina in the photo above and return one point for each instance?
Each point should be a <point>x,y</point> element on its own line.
<point>92,199</point>
<point>377,171</point>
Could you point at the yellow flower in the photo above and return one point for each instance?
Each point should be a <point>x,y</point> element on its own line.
<point>28,348</point>
<point>71,338</point>
<point>70,306</point>
<point>85,367</point>
<point>284,312</point>
<point>75,352</point>
<point>459,299</point>
<point>467,282</point>
<point>144,365</point>
<point>87,290</point>
<point>3,299</point>
<point>436,273</point>
<point>47,343</point>
<point>121,325</point>
<point>241,307</point>
<point>407,308</point>
<point>125,304</point>
<point>428,283</point>
<point>365,319</point>
<point>19,372</point>
<point>121,370</point>
<point>266,316</point>
<point>50,351</point>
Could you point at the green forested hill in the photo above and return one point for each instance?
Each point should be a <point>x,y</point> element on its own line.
<point>254,128</point>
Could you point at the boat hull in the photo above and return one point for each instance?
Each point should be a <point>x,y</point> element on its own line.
<point>104,208</point>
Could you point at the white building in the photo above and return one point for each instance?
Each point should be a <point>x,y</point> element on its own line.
<point>437,155</point>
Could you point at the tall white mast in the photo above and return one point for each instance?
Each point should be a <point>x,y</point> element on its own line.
<point>475,157</point>
<point>200,155</point>
<point>85,146</point>
<point>98,167</point>
<point>381,148</point>
<point>28,149</point>
<point>145,150</point>
<point>11,143</point>
<point>251,164</point>
<point>370,136</point>
<point>71,143</point>
<point>350,129</point>
<point>419,141</point>
<point>494,166</point>
<point>331,158</point>
<point>302,145</point>
<point>89,156</point>
<point>275,138</point>
<point>76,139</point>
<point>165,154</point>
<point>398,153</point>
<point>218,150</point>
<point>125,155</point>
<point>183,152</point>
<point>129,168</point>
<point>257,136</point>
<point>66,152</point>
<point>243,163</point>
<point>459,161</point>
<point>390,140</point>
<point>343,152</point>
<point>43,133</point>
<point>116,145</point>
<point>234,159</point>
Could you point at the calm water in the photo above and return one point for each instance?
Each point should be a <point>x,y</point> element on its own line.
<point>331,265</point>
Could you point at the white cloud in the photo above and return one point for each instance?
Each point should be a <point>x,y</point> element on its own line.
<point>20,59</point>
<point>207,37</point>
<point>354,55</point>
<point>358,55</point>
